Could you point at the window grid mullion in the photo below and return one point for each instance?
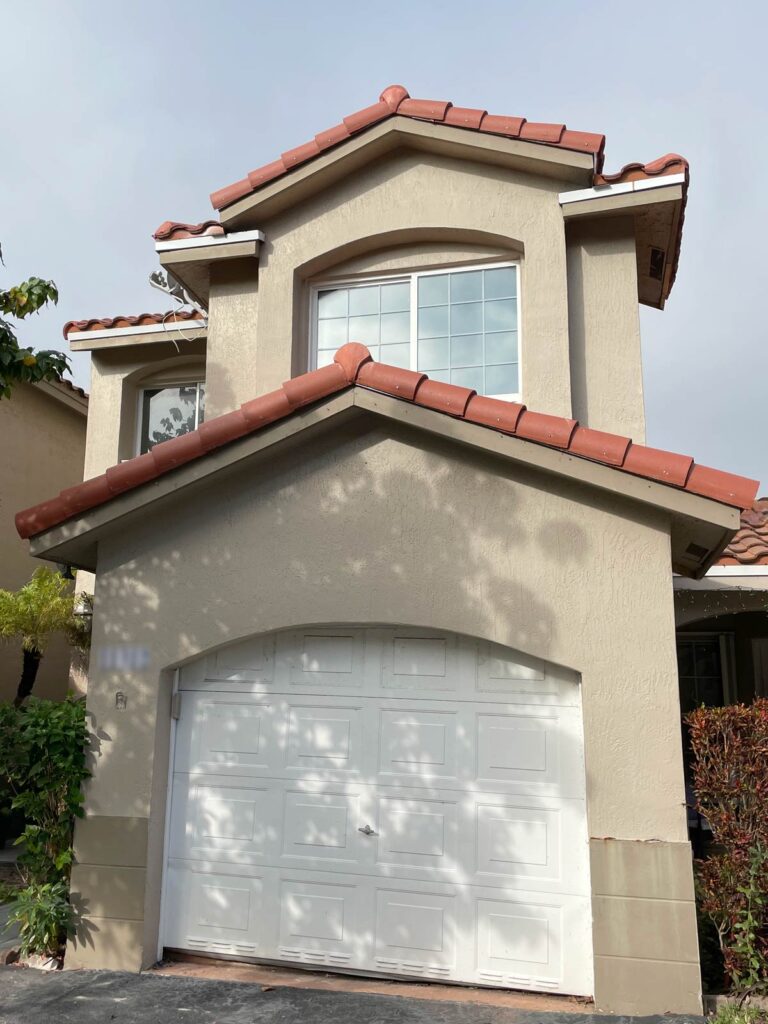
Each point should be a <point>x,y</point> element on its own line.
<point>414,361</point>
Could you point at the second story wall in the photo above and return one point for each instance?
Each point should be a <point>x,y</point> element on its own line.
<point>406,212</point>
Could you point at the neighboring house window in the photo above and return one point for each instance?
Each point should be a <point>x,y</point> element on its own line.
<point>169,412</point>
<point>459,326</point>
<point>702,665</point>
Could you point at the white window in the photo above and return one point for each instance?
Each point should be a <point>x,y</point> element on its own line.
<point>458,326</point>
<point>169,411</point>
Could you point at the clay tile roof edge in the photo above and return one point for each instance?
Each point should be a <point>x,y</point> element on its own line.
<point>353,366</point>
<point>112,323</point>
<point>395,100</point>
<point>173,229</point>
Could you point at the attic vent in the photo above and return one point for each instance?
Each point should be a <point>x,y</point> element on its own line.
<point>656,264</point>
<point>696,550</point>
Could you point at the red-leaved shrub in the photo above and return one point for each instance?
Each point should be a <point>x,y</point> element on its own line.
<point>730,778</point>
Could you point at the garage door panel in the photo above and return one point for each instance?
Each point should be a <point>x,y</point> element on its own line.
<point>228,734</point>
<point>522,678</point>
<point>321,923</point>
<point>521,842</point>
<point>325,739</point>
<point>215,912</point>
<point>220,822</point>
<point>418,743</point>
<point>530,750</point>
<point>320,829</point>
<point>416,661</point>
<point>327,658</point>
<point>415,933</point>
<point>417,838</point>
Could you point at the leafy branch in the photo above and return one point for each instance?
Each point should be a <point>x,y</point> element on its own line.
<point>24,365</point>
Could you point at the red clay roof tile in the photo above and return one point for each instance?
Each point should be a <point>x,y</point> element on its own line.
<point>392,380</point>
<point>450,398</point>
<point>551,430</point>
<point>672,163</point>
<point>465,117</point>
<point>656,464</point>
<point>599,446</point>
<point>110,323</point>
<point>395,100</point>
<point>172,229</point>
<point>494,413</point>
<point>352,366</point>
<point>749,545</point>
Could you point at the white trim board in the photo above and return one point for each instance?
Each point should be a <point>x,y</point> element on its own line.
<point>601,191</point>
<point>197,241</point>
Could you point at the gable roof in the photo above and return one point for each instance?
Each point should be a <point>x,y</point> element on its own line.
<point>353,366</point>
<point>749,546</point>
<point>395,100</point>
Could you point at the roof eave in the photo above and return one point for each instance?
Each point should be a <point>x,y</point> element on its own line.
<point>696,520</point>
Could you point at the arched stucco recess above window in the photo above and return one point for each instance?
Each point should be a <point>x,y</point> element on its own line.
<point>394,252</point>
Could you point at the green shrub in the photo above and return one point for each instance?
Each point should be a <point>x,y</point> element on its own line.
<point>730,774</point>
<point>42,765</point>
<point>737,1013</point>
<point>44,916</point>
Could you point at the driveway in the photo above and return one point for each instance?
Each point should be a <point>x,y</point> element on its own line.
<point>101,997</point>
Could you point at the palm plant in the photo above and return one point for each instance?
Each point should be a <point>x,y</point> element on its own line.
<point>42,607</point>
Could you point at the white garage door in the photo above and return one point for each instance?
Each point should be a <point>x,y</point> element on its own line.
<point>382,800</point>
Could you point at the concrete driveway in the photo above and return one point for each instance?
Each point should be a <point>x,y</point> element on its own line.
<point>101,997</point>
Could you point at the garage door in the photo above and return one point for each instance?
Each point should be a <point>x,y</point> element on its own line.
<point>382,800</point>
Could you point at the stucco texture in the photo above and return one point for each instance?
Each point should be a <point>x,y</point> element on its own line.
<point>383,524</point>
<point>42,451</point>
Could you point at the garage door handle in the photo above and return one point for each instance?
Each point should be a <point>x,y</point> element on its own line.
<point>367,831</point>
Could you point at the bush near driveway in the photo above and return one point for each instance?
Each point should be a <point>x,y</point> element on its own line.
<point>43,766</point>
<point>730,774</point>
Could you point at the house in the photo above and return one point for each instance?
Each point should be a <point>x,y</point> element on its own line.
<point>383,667</point>
<point>43,446</point>
<point>722,621</point>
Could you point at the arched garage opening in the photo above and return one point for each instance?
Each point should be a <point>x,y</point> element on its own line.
<point>387,800</point>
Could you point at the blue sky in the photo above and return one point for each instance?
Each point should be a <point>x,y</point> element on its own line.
<point>119,116</point>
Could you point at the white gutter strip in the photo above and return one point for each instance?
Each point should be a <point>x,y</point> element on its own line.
<point>738,570</point>
<point>579,195</point>
<point>198,241</point>
<point>169,326</point>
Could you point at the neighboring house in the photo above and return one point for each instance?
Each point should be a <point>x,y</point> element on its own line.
<point>383,664</point>
<point>42,427</point>
<point>722,621</point>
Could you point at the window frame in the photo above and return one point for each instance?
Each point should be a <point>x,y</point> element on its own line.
<point>177,382</point>
<point>412,279</point>
<point>727,657</point>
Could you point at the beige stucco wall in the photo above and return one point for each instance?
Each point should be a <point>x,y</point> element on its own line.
<point>41,453</point>
<point>389,526</point>
<point>604,324</point>
<point>258,330</point>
